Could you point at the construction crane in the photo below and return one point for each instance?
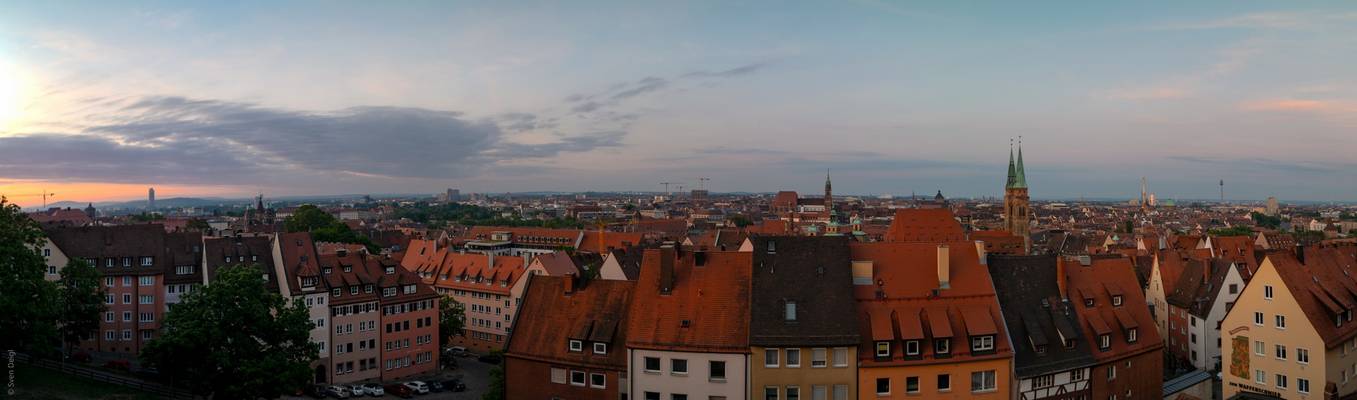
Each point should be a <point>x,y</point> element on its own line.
<point>666,187</point>
<point>45,194</point>
<point>702,183</point>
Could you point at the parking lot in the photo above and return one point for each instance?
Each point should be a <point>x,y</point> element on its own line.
<point>475,374</point>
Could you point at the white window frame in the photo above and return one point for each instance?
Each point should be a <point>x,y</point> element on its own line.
<point>599,386</point>
<point>793,358</point>
<point>819,357</point>
<point>584,378</point>
<point>576,346</point>
<point>600,348</point>
<point>771,359</point>
<point>982,343</point>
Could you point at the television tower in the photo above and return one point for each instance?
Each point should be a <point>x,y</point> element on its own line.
<point>1222,191</point>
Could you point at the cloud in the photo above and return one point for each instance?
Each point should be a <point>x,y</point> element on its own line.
<point>617,94</point>
<point>1266,164</point>
<point>184,140</point>
<point>1150,93</point>
<point>1291,105</point>
<point>737,71</point>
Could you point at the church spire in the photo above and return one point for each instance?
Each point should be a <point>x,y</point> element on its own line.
<point>1012,169</point>
<point>1020,179</point>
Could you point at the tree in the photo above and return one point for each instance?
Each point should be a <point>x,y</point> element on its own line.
<point>198,224</point>
<point>1266,221</point>
<point>325,227</point>
<point>740,221</point>
<point>451,318</point>
<point>496,390</point>
<point>82,300</point>
<point>235,339</point>
<point>28,302</point>
<point>1232,231</point>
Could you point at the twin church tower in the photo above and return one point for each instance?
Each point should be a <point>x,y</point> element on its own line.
<point>1017,211</point>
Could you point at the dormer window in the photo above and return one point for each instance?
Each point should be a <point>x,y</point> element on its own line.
<point>982,343</point>
<point>228,259</point>
<point>1116,300</point>
<point>348,268</point>
<point>1132,335</point>
<point>335,292</point>
<point>576,345</point>
<point>252,258</point>
<point>353,289</point>
<point>388,292</point>
<point>600,348</point>
<point>1104,341</point>
<point>790,311</point>
<point>367,288</point>
<point>327,270</point>
<point>772,247</point>
<point>883,349</point>
<point>390,270</point>
<point>1088,302</point>
<point>146,261</point>
<point>912,347</point>
<point>1069,343</point>
<point>942,346</point>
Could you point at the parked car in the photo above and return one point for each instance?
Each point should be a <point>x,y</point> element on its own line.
<point>456,351</point>
<point>491,358</point>
<point>418,387</point>
<point>399,390</point>
<point>338,392</point>
<point>374,390</point>
<point>435,386</point>
<point>316,391</point>
<point>454,385</point>
<point>123,365</point>
<point>357,390</point>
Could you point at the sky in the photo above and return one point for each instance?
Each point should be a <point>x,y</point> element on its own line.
<point>100,100</point>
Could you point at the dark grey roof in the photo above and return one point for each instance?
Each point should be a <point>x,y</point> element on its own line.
<point>183,249</point>
<point>1029,296</point>
<point>114,242</point>
<point>1184,381</point>
<point>816,274</point>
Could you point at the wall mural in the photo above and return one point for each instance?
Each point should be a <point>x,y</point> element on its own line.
<point>1239,357</point>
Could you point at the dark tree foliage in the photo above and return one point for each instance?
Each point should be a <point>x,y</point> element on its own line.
<point>471,215</point>
<point>452,317</point>
<point>325,227</point>
<point>1232,231</point>
<point>496,390</point>
<point>235,339</point>
<point>82,300</point>
<point>198,224</point>
<point>28,302</point>
<point>1266,221</point>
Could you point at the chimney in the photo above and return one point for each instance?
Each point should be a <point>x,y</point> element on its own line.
<point>980,251</point>
<point>700,258</point>
<point>944,267</point>
<point>1060,276</point>
<point>490,260</point>
<point>666,269</point>
<point>570,283</point>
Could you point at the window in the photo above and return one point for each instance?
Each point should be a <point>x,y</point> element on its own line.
<point>652,396</point>
<point>127,298</point>
<point>790,311</point>
<point>1303,385</point>
<point>678,366</point>
<point>1258,348</point>
<point>841,392</point>
<point>819,357</point>
<point>840,356</point>
<point>944,382</point>
<point>600,348</point>
<point>1234,288</point>
<point>652,364</point>
<point>127,334</point>
<point>911,384</point>
<point>982,343</point>
<point>146,261</point>
<point>1258,318</point>
<point>1116,300</point>
<point>793,393</point>
<point>819,392</point>
<point>1302,356</point>
<point>883,349</point>
<point>46,252</point>
<point>1044,381</point>
<point>1104,341</point>
<point>718,370</point>
<point>1267,292</point>
<point>770,358</point>
<point>558,375</point>
<point>793,358</point>
<point>678,396</point>
<point>147,280</point>
<point>108,299</point>
<point>983,381</point>
<point>1280,352</point>
<point>1132,335</point>
<point>576,346</point>
<point>577,378</point>
<point>108,316</point>
<point>127,281</point>
<point>1077,375</point>
<point>147,299</point>
<point>597,381</point>
<point>942,346</point>
<point>1111,372</point>
<point>883,386</point>
<point>108,281</point>
<point>770,392</point>
<point>1281,381</point>
<point>1281,322</point>
<point>1260,377</point>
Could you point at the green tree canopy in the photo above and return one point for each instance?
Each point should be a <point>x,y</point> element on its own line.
<point>451,318</point>
<point>82,300</point>
<point>235,339</point>
<point>1232,231</point>
<point>325,227</point>
<point>28,302</point>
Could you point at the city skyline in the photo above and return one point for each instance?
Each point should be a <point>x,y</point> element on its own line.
<point>100,101</point>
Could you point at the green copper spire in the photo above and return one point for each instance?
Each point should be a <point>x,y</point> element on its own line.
<point>1021,181</point>
<point>1012,171</point>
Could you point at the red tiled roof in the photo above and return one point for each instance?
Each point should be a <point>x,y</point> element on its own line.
<point>707,309</point>
<point>932,225</point>
<point>592,312</point>
<point>1099,319</point>
<point>609,240</point>
<point>1327,279</point>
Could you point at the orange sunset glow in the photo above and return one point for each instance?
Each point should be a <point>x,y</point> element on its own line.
<point>28,194</point>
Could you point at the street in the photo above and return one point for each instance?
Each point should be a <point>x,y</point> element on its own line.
<point>474,373</point>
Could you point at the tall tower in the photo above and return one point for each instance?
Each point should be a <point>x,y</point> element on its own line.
<point>150,199</point>
<point>1017,213</point>
<point>829,197</point>
<point>1144,198</point>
